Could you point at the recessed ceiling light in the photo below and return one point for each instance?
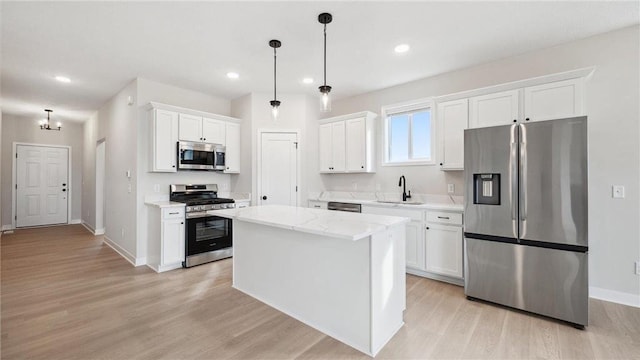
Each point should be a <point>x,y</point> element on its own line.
<point>233,75</point>
<point>63,79</point>
<point>307,80</point>
<point>401,48</point>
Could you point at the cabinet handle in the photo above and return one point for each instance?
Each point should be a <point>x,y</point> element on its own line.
<point>443,217</point>
<point>176,213</point>
<point>264,197</point>
<point>204,139</point>
<point>200,138</point>
<point>514,120</point>
<point>362,167</point>
<point>227,168</point>
<point>427,228</point>
<point>527,119</point>
<point>440,164</point>
<point>173,166</point>
<point>182,223</point>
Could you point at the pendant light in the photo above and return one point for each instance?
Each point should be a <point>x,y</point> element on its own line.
<point>45,124</point>
<point>275,104</point>
<point>325,100</point>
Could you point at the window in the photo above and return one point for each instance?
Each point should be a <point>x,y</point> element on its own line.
<point>409,134</point>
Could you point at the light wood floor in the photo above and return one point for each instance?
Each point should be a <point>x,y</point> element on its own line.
<point>65,295</point>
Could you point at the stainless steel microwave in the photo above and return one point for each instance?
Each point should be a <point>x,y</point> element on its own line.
<point>200,156</point>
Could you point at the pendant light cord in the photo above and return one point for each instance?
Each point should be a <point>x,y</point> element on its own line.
<point>325,54</point>
<point>274,74</point>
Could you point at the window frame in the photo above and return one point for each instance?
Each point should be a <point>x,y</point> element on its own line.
<point>408,108</point>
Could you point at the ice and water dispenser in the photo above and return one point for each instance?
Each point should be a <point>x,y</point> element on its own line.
<point>486,189</point>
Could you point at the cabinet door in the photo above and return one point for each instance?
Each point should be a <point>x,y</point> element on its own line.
<point>555,100</point>
<point>172,241</point>
<point>414,245</point>
<point>338,146</point>
<point>213,131</point>
<point>190,128</point>
<point>444,250</point>
<point>453,118</point>
<point>164,138</point>
<point>494,109</point>
<point>355,145</point>
<point>232,141</point>
<point>325,147</point>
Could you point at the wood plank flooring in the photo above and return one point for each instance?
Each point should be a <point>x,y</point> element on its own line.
<point>65,295</point>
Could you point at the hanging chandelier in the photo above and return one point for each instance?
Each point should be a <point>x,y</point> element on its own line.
<point>275,104</point>
<point>46,125</point>
<point>325,100</point>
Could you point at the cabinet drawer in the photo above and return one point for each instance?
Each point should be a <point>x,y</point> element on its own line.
<point>172,213</point>
<point>444,217</point>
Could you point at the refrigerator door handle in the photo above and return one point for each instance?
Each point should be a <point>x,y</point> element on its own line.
<point>523,179</point>
<point>513,179</point>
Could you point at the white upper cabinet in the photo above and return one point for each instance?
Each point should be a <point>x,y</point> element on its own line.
<point>555,100</point>
<point>453,118</point>
<point>164,139</point>
<point>201,129</point>
<point>232,141</point>
<point>332,147</point>
<point>213,131</point>
<point>356,157</point>
<point>190,128</point>
<point>494,109</point>
<point>346,143</point>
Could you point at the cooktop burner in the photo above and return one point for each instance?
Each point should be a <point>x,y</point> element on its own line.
<point>199,197</point>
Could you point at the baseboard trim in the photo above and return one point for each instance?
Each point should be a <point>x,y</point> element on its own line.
<point>428,275</point>
<point>124,253</point>
<point>99,231</point>
<point>88,227</point>
<point>618,297</point>
<point>75,221</point>
<point>7,227</point>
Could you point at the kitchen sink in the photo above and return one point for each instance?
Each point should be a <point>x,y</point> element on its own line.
<point>399,202</point>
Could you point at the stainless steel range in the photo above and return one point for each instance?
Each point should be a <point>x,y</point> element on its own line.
<point>208,237</point>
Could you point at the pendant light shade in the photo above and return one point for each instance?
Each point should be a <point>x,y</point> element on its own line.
<point>45,124</point>
<point>325,99</point>
<point>275,104</point>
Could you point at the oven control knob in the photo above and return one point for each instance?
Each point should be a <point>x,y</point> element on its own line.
<point>223,206</point>
<point>197,208</point>
<point>189,208</point>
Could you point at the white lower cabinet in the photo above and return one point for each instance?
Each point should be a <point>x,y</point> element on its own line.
<point>433,243</point>
<point>444,250</point>
<point>165,247</point>
<point>414,245</point>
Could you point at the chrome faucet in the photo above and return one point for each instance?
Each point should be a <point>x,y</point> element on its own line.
<point>403,183</point>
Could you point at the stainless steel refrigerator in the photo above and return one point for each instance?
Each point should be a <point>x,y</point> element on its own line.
<point>525,231</point>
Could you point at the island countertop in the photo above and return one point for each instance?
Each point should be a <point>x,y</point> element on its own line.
<point>337,224</point>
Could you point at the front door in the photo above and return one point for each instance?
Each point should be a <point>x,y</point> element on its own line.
<point>42,189</point>
<point>278,169</point>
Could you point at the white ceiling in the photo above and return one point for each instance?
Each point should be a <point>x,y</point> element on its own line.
<point>102,46</point>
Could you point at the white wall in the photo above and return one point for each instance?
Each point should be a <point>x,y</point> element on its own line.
<point>26,130</point>
<point>614,152</point>
<point>116,123</point>
<point>297,113</point>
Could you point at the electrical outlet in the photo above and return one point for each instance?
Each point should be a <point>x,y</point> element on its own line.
<point>617,191</point>
<point>122,232</point>
<point>129,188</point>
<point>451,188</point>
<point>638,267</point>
<point>156,188</point>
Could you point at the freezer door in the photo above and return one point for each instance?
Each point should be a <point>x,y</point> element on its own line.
<point>543,281</point>
<point>553,183</point>
<point>490,173</point>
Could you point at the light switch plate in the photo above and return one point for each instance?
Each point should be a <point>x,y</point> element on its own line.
<point>617,192</point>
<point>451,188</point>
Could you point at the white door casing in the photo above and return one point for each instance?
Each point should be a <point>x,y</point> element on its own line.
<point>278,166</point>
<point>41,185</point>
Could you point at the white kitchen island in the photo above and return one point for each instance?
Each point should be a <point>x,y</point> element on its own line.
<point>340,273</point>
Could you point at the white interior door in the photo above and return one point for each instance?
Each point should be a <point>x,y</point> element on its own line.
<point>100,168</point>
<point>278,169</point>
<point>42,189</point>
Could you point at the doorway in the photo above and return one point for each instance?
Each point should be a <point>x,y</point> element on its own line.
<point>278,169</point>
<point>42,188</point>
<point>100,186</point>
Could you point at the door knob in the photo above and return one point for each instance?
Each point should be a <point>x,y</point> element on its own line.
<point>64,184</point>
<point>264,197</point>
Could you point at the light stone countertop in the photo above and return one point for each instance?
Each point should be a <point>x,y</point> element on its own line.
<point>165,204</point>
<point>338,224</point>
<point>428,201</point>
